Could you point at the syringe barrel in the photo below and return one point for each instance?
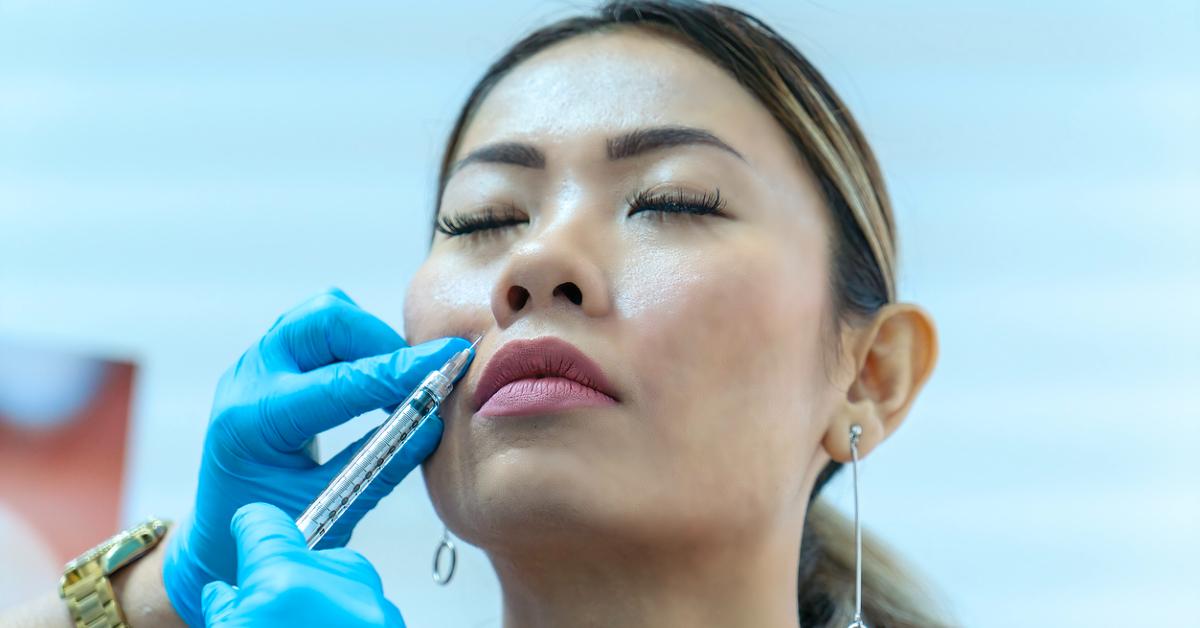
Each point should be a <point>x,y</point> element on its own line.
<point>368,461</point>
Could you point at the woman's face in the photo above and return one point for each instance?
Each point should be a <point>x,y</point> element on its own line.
<point>710,329</point>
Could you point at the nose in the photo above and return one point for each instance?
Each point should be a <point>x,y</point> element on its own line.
<point>553,270</point>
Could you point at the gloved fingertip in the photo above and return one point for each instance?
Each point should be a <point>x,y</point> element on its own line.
<point>338,293</point>
<point>215,598</point>
<point>252,510</point>
<point>412,363</point>
<point>258,523</point>
<point>404,368</point>
<point>401,369</point>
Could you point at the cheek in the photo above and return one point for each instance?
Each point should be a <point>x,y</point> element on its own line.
<point>746,316</point>
<point>727,349</point>
<point>446,299</point>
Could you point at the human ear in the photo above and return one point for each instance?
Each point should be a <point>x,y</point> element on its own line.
<point>893,357</point>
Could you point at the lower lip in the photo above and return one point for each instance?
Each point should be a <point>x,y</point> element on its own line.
<point>543,395</point>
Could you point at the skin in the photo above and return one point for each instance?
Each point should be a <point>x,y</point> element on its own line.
<point>684,503</point>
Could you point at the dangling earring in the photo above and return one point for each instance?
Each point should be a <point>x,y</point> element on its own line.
<point>855,433</point>
<point>444,545</point>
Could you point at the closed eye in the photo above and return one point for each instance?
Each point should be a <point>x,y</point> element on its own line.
<point>678,202</point>
<point>489,218</point>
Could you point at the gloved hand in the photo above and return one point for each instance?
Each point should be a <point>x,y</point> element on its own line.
<point>320,364</point>
<point>283,583</point>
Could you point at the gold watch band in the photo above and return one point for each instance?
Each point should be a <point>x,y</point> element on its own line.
<point>85,586</point>
<point>90,599</point>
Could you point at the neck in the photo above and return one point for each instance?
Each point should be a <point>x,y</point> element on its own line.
<point>751,582</point>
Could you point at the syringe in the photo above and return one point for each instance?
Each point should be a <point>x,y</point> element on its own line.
<point>346,486</point>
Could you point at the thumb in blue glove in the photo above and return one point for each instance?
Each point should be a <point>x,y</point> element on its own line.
<point>283,583</point>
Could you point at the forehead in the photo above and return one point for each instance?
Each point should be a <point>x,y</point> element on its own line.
<point>604,83</point>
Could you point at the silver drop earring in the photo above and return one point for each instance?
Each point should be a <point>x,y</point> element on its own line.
<point>444,546</point>
<point>855,433</point>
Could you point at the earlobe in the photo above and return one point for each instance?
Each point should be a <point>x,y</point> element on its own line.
<point>894,357</point>
<point>837,438</point>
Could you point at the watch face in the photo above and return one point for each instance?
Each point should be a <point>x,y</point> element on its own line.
<point>122,547</point>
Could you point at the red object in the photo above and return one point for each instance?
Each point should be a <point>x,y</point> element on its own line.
<point>66,481</point>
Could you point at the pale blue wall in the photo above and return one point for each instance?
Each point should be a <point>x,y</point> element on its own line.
<point>172,177</point>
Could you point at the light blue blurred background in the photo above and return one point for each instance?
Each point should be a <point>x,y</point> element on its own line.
<point>173,176</point>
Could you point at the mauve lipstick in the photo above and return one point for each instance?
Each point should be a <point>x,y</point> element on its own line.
<point>540,376</point>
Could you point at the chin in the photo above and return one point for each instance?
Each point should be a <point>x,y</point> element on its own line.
<point>539,496</point>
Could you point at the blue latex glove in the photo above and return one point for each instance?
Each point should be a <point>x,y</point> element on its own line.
<point>283,583</point>
<point>320,364</point>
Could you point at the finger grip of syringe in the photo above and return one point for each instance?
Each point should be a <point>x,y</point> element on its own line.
<point>366,463</point>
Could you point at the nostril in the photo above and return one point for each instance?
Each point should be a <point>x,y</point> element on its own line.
<point>571,291</point>
<point>517,297</point>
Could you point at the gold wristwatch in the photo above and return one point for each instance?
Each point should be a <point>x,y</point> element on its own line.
<point>85,586</point>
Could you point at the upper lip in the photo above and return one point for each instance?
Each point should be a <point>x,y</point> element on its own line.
<point>541,357</point>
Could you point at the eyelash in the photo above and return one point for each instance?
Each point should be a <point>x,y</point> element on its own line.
<point>670,202</point>
<point>490,218</point>
<point>679,202</point>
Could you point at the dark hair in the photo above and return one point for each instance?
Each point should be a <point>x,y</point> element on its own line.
<point>863,243</point>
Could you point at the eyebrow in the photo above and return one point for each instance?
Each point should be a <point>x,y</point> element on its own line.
<point>643,140</point>
<point>623,146</point>
<point>512,153</point>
